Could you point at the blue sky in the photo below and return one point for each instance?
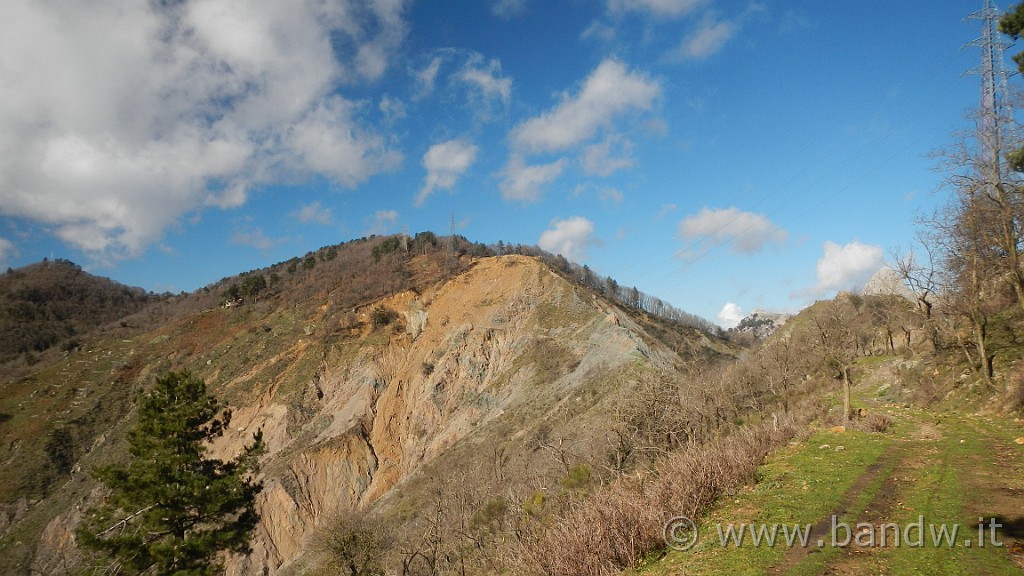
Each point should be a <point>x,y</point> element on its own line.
<point>723,156</point>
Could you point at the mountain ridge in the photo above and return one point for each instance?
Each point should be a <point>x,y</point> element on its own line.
<point>357,397</point>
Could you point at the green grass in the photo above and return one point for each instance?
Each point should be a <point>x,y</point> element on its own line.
<point>941,495</point>
<point>799,485</point>
<point>943,469</point>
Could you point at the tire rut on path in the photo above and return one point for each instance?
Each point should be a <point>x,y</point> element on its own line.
<point>821,530</point>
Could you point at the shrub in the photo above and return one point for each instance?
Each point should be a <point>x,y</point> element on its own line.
<point>873,422</point>
<point>578,478</point>
<point>382,316</point>
<point>620,523</point>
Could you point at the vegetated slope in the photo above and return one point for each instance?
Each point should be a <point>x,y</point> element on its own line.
<point>910,491</point>
<point>933,445</point>
<point>362,397</point>
<point>50,303</point>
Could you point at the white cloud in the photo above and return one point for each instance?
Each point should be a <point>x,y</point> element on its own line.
<point>393,109</point>
<point>445,163</point>
<point>507,8</point>
<point>313,213</point>
<point>610,195</point>
<point>710,37</point>
<point>748,232</point>
<point>117,118</point>
<point>665,210</point>
<point>427,77</point>
<point>657,7</point>
<point>607,157</point>
<point>326,141</point>
<point>255,237</point>
<point>525,183</point>
<point>846,267</point>
<point>485,77</point>
<point>570,238</point>
<point>598,30</point>
<point>609,91</point>
<point>730,315</point>
<point>7,251</point>
<point>382,221</point>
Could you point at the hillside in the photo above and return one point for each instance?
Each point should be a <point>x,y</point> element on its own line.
<point>458,412</point>
<point>53,303</point>
<point>366,400</point>
<point>913,490</point>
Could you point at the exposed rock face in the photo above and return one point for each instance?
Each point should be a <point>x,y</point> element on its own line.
<point>887,282</point>
<point>384,415</point>
<point>761,323</point>
<point>352,412</point>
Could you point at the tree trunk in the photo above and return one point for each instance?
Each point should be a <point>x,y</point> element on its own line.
<point>985,361</point>
<point>847,384</point>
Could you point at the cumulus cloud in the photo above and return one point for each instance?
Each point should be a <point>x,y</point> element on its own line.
<point>117,118</point>
<point>313,214</point>
<point>7,251</point>
<point>507,8</point>
<point>485,77</point>
<point>846,267</point>
<point>607,157</point>
<point>445,163</point>
<point>253,236</point>
<point>710,37</point>
<point>609,91</point>
<point>427,77</point>
<point>610,195</point>
<point>730,315</point>
<point>525,183</point>
<point>748,232</point>
<point>598,30</point>
<point>570,238</point>
<point>658,7</point>
<point>665,210</point>
<point>382,221</point>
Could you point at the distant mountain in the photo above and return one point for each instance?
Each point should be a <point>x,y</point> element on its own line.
<point>52,302</point>
<point>760,323</point>
<point>888,282</point>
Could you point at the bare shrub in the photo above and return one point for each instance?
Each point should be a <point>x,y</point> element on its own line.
<point>353,544</point>
<point>622,521</point>
<point>1015,392</point>
<point>873,422</point>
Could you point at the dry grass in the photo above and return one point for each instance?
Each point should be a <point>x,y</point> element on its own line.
<point>622,522</point>
<point>872,422</point>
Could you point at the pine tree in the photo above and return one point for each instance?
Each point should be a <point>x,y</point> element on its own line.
<point>172,510</point>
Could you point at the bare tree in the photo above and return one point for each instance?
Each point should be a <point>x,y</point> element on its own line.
<point>836,341</point>
<point>920,271</point>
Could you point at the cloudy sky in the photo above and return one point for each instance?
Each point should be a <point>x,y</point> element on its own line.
<point>722,155</point>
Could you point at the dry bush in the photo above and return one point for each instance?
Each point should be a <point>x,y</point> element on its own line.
<point>1015,392</point>
<point>352,544</point>
<point>873,422</point>
<point>621,522</point>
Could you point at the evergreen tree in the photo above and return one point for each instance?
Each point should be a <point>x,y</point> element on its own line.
<point>172,510</point>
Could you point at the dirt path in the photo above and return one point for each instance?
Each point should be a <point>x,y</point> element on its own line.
<point>946,491</point>
<point>821,531</point>
<point>939,473</point>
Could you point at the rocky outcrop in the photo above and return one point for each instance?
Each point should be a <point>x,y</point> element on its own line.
<point>761,323</point>
<point>888,282</point>
<point>352,411</point>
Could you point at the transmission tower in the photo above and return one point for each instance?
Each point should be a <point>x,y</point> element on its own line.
<point>995,107</point>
